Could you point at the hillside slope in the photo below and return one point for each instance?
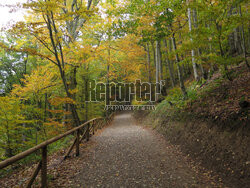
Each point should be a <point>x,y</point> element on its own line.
<point>212,125</point>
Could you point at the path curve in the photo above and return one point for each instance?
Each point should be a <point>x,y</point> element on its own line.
<point>127,155</point>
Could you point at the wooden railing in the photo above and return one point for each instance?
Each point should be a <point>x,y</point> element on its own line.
<point>81,132</point>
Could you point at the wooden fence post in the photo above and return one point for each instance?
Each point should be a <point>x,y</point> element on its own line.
<point>44,167</point>
<point>77,142</point>
<point>88,127</point>
<point>35,173</point>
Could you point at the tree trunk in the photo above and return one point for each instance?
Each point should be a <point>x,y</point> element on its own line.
<point>86,97</point>
<point>148,61</point>
<point>169,66</point>
<point>160,60</point>
<point>152,43</point>
<point>180,76</point>
<point>72,106</point>
<point>238,41</point>
<point>243,40</point>
<point>8,149</point>
<point>157,68</point>
<point>59,61</point>
<point>45,107</point>
<point>72,86</point>
<point>196,76</point>
<point>248,38</point>
<point>107,90</point>
<point>203,72</point>
<point>231,38</point>
<point>171,62</point>
<point>199,50</point>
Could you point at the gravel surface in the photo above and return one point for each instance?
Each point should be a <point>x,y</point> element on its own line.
<point>127,155</point>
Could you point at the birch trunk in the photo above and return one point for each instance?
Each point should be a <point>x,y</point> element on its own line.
<point>196,76</point>
<point>199,50</point>
<point>157,68</point>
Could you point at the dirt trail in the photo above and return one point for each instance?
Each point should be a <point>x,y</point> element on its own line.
<point>127,155</point>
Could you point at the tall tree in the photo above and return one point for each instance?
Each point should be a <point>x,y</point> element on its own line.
<point>196,76</point>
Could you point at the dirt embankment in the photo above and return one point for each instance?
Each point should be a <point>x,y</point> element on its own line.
<point>214,129</point>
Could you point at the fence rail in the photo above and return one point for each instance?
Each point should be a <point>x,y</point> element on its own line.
<point>89,127</point>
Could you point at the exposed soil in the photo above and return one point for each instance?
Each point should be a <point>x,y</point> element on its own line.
<point>224,153</point>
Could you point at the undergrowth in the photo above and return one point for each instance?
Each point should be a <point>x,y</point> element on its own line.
<point>174,102</point>
<point>36,156</point>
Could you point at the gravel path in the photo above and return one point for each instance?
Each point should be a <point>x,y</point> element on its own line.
<point>127,155</point>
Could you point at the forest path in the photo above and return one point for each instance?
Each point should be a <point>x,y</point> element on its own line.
<point>127,155</point>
